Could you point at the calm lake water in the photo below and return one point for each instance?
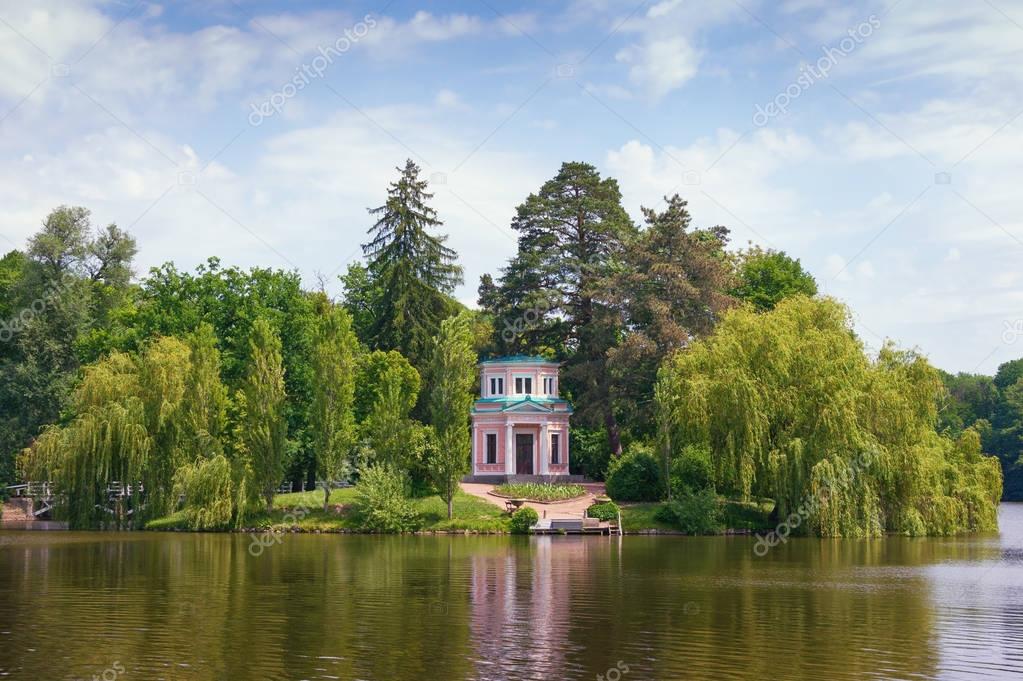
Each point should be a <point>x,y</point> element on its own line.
<point>192,606</point>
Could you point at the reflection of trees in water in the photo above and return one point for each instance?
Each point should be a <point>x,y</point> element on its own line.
<point>201,607</point>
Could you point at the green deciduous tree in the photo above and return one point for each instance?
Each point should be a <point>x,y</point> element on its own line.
<point>58,300</point>
<point>263,420</point>
<point>395,439</point>
<point>452,378</point>
<point>765,278</point>
<point>791,408</point>
<point>332,420</point>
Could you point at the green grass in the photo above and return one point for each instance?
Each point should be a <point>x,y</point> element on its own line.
<point>750,516</point>
<point>470,514</point>
<point>641,516</point>
<point>304,510</point>
<point>537,491</point>
<point>174,521</point>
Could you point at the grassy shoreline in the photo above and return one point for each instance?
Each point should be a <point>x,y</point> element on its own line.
<point>303,512</point>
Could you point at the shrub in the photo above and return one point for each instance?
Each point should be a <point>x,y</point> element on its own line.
<point>692,471</point>
<point>635,476</point>
<point>382,501</point>
<point>606,511</point>
<point>523,519</point>
<point>590,453</point>
<point>694,512</point>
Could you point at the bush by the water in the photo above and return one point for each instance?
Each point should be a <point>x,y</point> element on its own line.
<point>383,503</point>
<point>693,512</point>
<point>607,511</point>
<point>635,476</point>
<point>692,471</point>
<point>523,519</point>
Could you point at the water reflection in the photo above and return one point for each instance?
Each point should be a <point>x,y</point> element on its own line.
<point>182,606</point>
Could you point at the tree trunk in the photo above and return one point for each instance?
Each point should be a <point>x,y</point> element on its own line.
<point>326,496</point>
<point>451,500</point>
<point>614,436</point>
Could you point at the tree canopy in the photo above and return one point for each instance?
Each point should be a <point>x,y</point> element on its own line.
<point>766,277</point>
<point>410,272</point>
<point>792,408</point>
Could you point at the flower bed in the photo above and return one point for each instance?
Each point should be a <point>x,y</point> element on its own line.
<point>538,491</point>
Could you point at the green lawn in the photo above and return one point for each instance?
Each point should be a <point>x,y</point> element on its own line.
<point>304,510</point>
<point>751,516</point>
<point>640,516</point>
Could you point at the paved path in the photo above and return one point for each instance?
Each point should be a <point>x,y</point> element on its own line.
<point>566,509</point>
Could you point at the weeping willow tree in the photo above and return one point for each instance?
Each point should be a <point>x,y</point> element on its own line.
<point>208,482</point>
<point>793,409</point>
<point>208,488</point>
<point>135,419</point>
<point>119,406</point>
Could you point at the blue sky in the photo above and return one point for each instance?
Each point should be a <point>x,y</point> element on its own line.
<point>893,176</point>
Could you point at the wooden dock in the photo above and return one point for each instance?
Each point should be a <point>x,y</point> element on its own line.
<point>574,526</point>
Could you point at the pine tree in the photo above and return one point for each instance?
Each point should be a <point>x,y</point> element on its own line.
<point>265,426</point>
<point>333,418</point>
<point>413,270</point>
<point>672,290</point>
<point>572,236</point>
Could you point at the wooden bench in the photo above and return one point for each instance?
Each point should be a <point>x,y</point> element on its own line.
<point>567,524</point>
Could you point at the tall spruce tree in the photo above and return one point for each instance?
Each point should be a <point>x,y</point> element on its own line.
<point>412,270</point>
<point>572,236</point>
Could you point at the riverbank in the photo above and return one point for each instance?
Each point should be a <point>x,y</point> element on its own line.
<point>302,512</point>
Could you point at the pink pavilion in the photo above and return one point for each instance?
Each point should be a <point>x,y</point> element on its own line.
<point>519,424</point>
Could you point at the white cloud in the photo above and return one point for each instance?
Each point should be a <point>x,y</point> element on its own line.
<point>727,179</point>
<point>448,99</point>
<point>837,268</point>
<point>661,65</point>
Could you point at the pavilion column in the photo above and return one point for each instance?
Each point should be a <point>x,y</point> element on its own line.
<point>474,448</point>
<point>544,448</point>
<point>509,445</point>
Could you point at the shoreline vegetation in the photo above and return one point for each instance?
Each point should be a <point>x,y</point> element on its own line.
<point>712,386</point>
<point>471,516</point>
